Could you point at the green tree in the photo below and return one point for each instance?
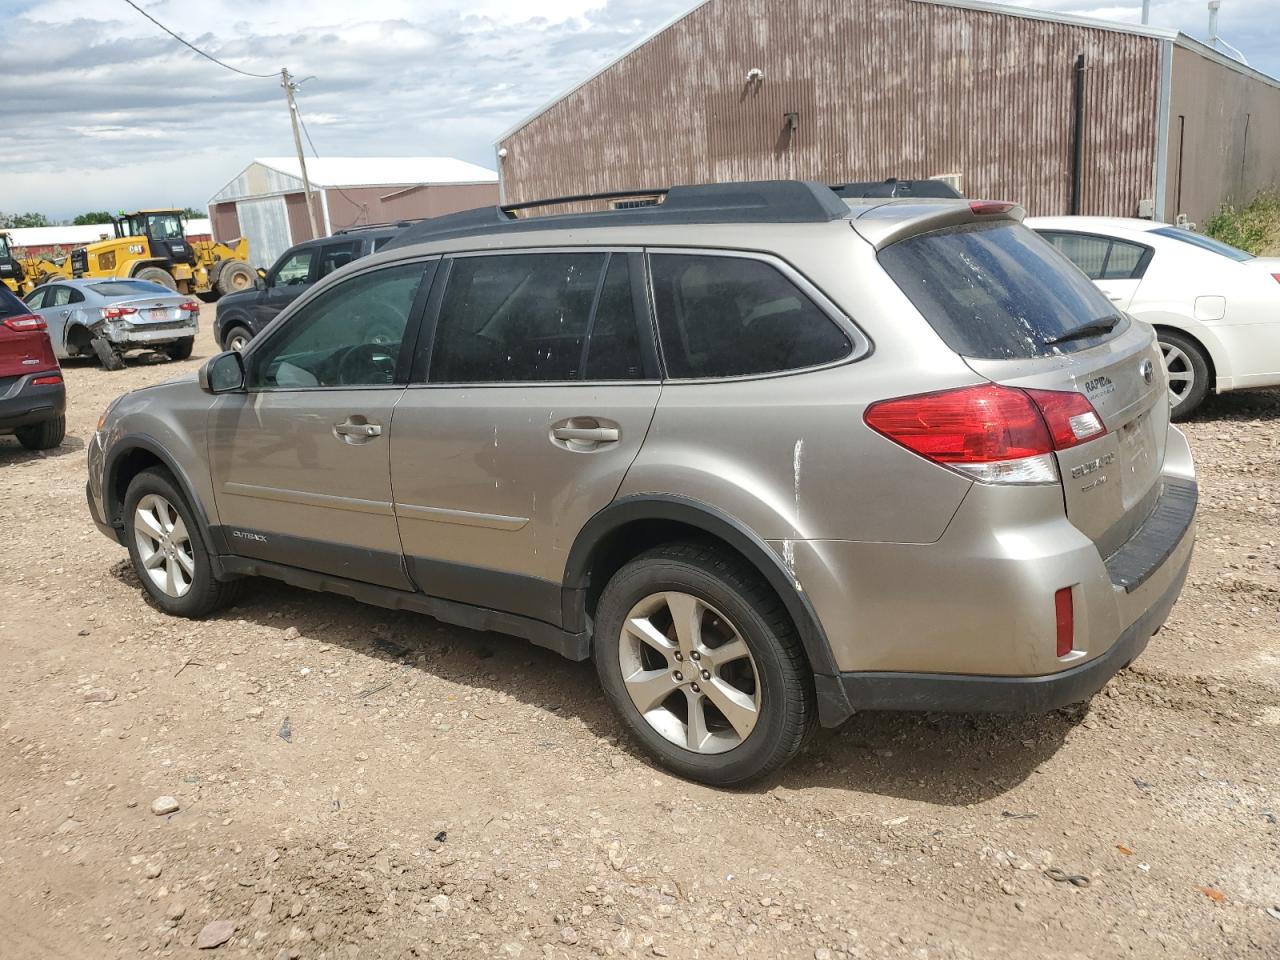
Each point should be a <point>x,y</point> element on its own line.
<point>94,216</point>
<point>191,213</point>
<point>23,220</point>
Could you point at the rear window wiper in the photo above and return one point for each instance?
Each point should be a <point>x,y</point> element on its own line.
<point>1094,328</point>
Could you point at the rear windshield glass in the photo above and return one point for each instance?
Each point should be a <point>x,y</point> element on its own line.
<point>1203,242</point>
<point>998,291</point>
<point>10,306</point>
<point>125,288</point>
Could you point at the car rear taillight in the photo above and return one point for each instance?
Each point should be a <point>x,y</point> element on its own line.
<point>46,381</point>
<point>991,433</point>
<point>987,208</point>
<point>1070,417</point>
<point>115,313</point>
<point>190,306</point>
<point>25,323</point>
<point>1065,616</point>
<point>1276,277</point>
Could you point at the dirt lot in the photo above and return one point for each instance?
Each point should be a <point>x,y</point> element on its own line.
<point>354,783</point>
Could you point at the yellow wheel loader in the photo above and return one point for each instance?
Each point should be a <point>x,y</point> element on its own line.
<point>24,274</point>
<point>152,245</point>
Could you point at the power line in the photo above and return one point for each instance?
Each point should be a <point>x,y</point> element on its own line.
<point>207,56</point>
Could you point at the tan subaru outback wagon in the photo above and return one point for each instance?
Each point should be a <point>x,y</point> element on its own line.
<point>767,456</point>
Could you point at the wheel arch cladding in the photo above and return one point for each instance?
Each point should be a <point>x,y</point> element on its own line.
<point>129,456</point>
<point>629,526</point>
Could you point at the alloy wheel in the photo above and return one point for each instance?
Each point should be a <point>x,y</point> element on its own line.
<point>164,545</point>
<point>237,342</point>
<point>1182,375</point>
<point>689,672</point>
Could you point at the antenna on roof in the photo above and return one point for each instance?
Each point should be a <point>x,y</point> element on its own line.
<point>1216,41</point>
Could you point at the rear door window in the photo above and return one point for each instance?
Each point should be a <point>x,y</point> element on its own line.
<point>537,318</point>
<point>998,291</point>
<point>1101,258</point>
<point>726,316</point>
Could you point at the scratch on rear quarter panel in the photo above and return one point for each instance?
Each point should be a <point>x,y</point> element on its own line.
<point>797,455</point>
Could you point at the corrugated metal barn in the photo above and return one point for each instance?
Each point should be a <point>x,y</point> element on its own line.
<point>843,90</point>
<point>266,202</point>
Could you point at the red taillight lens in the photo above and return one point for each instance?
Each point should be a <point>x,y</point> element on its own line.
<point>115,313</point>
<point>986,208</point>
<point>1276,277</point>
<point>190,306</point>
<point>1064,613</point>
<point>46,381</point>
<point>25,323</point>
<point>1070,417</point>
<point>994,433</point>
<point>970,425</point>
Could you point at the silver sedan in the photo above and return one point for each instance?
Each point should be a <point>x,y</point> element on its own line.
<point>107,318</point>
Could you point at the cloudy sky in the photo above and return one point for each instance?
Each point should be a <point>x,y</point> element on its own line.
<point>100,110</point>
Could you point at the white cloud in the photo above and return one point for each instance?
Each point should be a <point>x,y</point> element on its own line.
<point>102,110</point>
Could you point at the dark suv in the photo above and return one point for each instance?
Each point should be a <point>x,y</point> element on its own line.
<point>242,315</point>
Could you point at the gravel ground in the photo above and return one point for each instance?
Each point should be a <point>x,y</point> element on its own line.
<point>348,782</point>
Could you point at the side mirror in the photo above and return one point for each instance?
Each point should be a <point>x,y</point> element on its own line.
<point>223,373</point>
<point>259,283</point>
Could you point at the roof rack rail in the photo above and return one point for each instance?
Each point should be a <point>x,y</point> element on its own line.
<point>378,226</point>
<point>759,201</point>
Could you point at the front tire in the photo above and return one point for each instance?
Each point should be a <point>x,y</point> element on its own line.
<point>43,436</point>
<point>233,276</point>
<point>167,548</point>
<point>236,338</point>
<point>700,659</point>
<point>1187,366</point>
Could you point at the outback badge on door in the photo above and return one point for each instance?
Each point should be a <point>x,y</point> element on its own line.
<point>1148,371</point>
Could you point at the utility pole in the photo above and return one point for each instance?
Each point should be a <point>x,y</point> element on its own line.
<point>1146,12</point>
<point>289,87</point>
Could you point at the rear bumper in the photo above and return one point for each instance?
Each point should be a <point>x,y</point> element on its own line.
<point>968,622</point>
<point>140,336</point>
<point>26,404</point>
<point>841,695</point>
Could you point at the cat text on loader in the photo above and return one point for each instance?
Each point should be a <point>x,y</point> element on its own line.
<point>152,245</point>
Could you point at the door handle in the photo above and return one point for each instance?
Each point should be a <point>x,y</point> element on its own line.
<point>1114,297</point>
<point>588,434</point>
<point>357,430</point>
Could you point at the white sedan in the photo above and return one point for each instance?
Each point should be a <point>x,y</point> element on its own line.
<point>1216,309</point>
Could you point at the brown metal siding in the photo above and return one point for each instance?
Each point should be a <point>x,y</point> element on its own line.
<point>299,222</point>
<point>353,206</point>
<point>1229,127</point>
<point>890,88</point>
<point>226,222</point>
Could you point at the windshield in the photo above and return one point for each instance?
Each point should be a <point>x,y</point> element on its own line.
<point>127,288</point>
<point>1203,242</point>
<point>998,291</point>
<point>164,226</point>
<point>4,247</point>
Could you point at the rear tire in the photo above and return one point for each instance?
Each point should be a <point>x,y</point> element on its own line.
<point>180,349</point>
<point>233,276</point>
<point>751,662</point>
<point>156,275</point>
<point>1187,365</point>
<point>43,436</point>
<point>153,503</point>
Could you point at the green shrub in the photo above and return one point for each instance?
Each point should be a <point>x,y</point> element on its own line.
<point>1253,228</point>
